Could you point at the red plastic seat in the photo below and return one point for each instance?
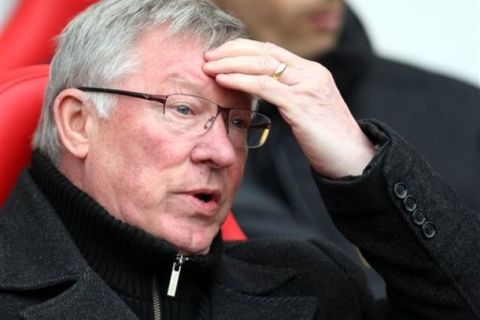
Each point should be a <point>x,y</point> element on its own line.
<point>21,95</point>
<point>28,35</point>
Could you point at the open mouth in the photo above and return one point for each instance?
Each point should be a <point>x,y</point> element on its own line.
<point>205,197</point>
<point>205,201</point>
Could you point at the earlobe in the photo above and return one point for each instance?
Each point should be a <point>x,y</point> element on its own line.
<point>74,122</point>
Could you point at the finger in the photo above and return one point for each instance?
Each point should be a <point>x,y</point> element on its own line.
<point>250,65</point>
<point>262,86</point>
<point>254,65</point>
<point>247,47</point>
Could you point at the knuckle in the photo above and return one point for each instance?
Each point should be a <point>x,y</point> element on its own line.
<point>264,63</point>
<point>269,48</point>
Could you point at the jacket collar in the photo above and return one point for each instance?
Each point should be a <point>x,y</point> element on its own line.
<point>45,257</point>
<point>26,263</point>
<point>352,58</point>
<point>29,230</point>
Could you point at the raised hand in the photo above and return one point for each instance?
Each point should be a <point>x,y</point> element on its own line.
<point>306,96</point>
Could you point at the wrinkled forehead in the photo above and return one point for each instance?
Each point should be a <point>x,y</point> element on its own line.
<point>167,64</point>
<point>190,84</point>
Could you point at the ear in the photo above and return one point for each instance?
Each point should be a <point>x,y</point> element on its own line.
<point>75,121</point>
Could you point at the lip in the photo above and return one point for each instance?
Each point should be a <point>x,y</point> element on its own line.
<point>205,201</point>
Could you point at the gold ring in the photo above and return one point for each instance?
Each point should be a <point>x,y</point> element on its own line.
<point>280,70</point>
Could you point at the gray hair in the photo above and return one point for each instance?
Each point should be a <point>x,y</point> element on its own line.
<point>97,49</point>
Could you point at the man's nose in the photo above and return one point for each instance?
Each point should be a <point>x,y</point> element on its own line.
<point>215,146</point>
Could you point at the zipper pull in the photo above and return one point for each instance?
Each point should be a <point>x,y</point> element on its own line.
<point>175,275</point>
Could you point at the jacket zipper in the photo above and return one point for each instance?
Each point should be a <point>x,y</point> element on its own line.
<point>180,259</point>
<point>157,315</point>
<point>172,285</point>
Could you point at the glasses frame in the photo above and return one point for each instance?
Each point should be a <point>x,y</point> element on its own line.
<point>162,98</point>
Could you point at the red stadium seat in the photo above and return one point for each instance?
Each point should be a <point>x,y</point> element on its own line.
<point>28,36</point>
<point>21,94</point>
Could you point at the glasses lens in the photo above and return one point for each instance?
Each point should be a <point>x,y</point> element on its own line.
<point>189,113</point>
<point>248,128</point>
<point>258,130</point>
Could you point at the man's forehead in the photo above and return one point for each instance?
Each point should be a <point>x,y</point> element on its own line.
<point>178,68</point>
<point>191,84</point>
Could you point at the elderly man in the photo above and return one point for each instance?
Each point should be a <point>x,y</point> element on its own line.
<point>143,139</point>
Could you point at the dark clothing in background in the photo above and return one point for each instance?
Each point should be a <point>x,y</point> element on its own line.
<point>438,115</point>
<point>63,257</point>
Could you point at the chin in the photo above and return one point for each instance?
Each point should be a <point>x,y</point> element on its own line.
<point>198,242</point>
<point>198,248</point>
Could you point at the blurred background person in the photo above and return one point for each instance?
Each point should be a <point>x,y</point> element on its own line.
<point>438,114</point>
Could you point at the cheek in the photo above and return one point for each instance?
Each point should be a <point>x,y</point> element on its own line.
<point>138,154</point>
<point>152,158</point>
<point>237,170</point>
<point>143,142</point>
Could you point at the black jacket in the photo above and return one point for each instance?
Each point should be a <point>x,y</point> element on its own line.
<point>440,116</point>
<point>411,227</point>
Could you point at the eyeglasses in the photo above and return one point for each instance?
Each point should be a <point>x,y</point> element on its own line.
<point>194,114</point>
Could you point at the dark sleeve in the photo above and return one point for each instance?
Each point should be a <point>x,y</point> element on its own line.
<point>412,228</point>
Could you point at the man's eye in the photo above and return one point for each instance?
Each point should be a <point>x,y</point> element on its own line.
<point>183,109</point>
<point>239,123</point>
